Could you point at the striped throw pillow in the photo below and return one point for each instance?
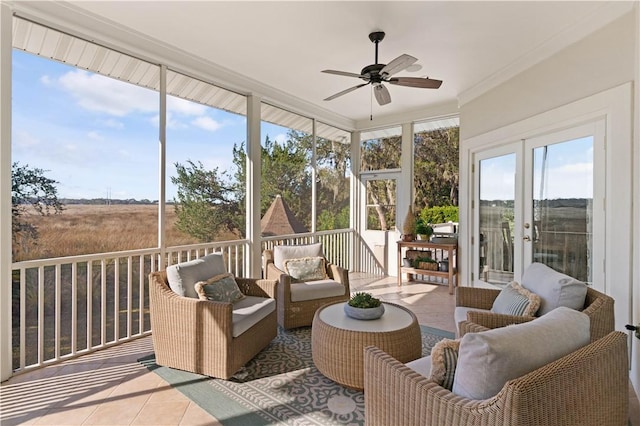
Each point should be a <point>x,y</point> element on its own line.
<point>516,300</point>
<point>444,358</point>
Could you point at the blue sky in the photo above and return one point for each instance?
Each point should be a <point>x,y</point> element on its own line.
<point>96,135</point>
<point>569,172</point>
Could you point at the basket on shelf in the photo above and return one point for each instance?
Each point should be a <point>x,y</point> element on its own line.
<point>428,266</point>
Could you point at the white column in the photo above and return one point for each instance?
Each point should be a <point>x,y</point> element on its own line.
<point>354,200</point>
<point>253,263</point>
<point>6,20</point>
<point>405,185</point>
<point>162,138</point>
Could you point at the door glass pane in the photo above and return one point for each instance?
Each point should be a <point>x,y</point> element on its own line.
<point>563,207</point>
<point>381,204</point>
<point>497,195</point>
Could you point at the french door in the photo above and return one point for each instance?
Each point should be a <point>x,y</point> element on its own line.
<point>541,200</point>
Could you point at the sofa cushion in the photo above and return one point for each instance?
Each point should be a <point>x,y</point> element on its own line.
<point>421,366</point>
<point>306,268</point>
<point>555,289</point>
<point>487,360</point>
<point>221,288</point>
<point>444,358</point>
<point>249,311</point>
<point>311,290</point>
<point>182,277</point>
<point>282,253</point>
<point>516,300</point>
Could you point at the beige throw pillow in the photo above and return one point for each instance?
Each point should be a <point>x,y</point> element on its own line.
<point>306,268</point>
<point>221,288</point>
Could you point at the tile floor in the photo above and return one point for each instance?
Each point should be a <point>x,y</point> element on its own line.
<point>110,387</point>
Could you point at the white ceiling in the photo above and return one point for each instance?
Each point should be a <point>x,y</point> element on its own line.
<point>284,45</point>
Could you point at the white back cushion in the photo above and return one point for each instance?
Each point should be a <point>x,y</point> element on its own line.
<point>555,289</point>
<point>182,277</point>
<point>487,360</point>
<point>282,253</point>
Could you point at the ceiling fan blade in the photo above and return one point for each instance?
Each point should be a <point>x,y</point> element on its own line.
<point>398,64</point>
<point>346,74</point>
<point>382,94</point>
<point>344,92</point>
<point>425,83</point>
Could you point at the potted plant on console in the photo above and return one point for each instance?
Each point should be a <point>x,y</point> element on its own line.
<point>364,306</point>
<point>423,229</point>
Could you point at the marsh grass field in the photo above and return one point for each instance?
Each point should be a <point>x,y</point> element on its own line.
<point>88,229</point>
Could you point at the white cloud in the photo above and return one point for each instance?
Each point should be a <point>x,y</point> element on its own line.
<point>281,138</point>
<point>112,123</point>
<point>96,136</point>
<point>185,107</point>
<point>206,123</point>
<point>103,94</point>
<point>45,80</point>
<point>24,139</point>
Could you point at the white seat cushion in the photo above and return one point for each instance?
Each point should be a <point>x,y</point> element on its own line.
<point>487,360</point>
<point>183,276</point>
<point>421,366</point>
<point>555,289</point>
<point>312,290</point>
<point>250,310</point>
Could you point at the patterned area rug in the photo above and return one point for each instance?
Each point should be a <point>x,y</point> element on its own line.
<point>279,386</point>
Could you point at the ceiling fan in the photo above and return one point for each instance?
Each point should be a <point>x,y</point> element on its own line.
<point>376,74</point>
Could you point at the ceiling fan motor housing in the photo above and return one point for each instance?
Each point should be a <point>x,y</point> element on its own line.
<point>373,71</point>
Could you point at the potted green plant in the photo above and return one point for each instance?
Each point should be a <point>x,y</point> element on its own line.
<point>363,306</point>
<point>423,229</point>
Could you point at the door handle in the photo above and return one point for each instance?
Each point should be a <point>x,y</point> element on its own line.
<point>526,238</point>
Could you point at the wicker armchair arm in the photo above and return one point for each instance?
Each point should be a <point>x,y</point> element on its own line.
<point>257,287</point>
<point>338,274</point>
<point>493,320</point>
<point>599,308</point>
<point>479,298</point>
<point>465,327</point>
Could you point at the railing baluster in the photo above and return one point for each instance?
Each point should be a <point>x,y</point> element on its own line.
<point>129,295</point>
<point>74,308</point>
<point>116,299</point>
<point>141,278</point>
<point>57,313</point>
<point>103,302</point>
<point>23,316</point>
<point>40,314</point>
<point>89,304</point>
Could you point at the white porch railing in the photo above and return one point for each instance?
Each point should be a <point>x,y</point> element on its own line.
<point>338,246</point>
<point>69,306</point>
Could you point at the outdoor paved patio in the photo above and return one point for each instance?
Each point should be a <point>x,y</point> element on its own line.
<point>109,387</point>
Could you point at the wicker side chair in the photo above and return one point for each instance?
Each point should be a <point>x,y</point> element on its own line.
<point>598,306</point>
<point>196,335</point>
<point>292,314</point>
<point>588,387</point>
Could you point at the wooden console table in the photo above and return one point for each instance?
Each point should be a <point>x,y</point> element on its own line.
<point>439,252</point>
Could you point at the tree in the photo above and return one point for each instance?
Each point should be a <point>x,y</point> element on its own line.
<point>436,168</point>
<point>30,189</point>
<point>205,203</point>
<point>285,172</point>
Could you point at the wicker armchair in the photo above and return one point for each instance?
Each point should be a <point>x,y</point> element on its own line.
<point>588,387</point>
<point>196,335</point>
<point>292,314</point>
<point>598,306</point>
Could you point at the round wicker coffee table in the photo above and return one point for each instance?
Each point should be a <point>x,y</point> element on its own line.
<point>337,341</point>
